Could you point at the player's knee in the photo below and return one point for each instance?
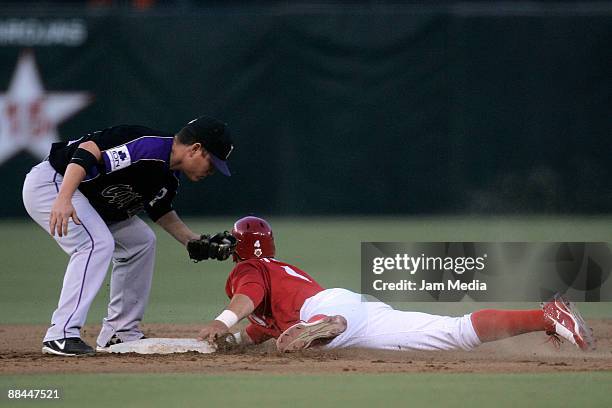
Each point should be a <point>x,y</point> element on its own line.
<point>106,248</point>
<point>102,245</point>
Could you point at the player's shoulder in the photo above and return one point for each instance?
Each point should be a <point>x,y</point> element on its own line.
<point>277,262</point>
<point>264,264</point>
<point>247,264</point>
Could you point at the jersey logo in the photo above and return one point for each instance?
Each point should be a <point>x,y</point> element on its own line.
<point>291,272</point>
<point>122,195</point>
<point>119,158</point>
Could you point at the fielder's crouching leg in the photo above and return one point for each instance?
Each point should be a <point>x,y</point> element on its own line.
<point>132,275</point>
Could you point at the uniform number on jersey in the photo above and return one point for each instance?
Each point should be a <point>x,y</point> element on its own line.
<point>162,193</point>
<point>291,272</point>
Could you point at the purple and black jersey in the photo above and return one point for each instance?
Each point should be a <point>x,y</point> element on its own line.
<point>134,174</point>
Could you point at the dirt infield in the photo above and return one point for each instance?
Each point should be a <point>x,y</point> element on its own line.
<point>20,354</point>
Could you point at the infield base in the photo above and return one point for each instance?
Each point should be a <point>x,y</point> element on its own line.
<point>162,346</point>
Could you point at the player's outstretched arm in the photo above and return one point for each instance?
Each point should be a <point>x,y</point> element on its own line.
<point>174,226</point>
<point>199,247</point>
<point>240,307</point>
<point>87,155</point>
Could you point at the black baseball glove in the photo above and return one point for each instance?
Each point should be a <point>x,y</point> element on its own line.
<point>219,246</point>
<point>222,245</point>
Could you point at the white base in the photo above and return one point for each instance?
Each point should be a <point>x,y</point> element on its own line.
<point>162,346</point>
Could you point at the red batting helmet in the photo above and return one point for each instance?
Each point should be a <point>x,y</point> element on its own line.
<point>255,239</point>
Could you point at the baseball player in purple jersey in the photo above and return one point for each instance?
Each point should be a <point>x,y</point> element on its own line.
<point>88,193</point>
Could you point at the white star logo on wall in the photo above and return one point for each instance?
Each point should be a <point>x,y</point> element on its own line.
<point>29,116</point>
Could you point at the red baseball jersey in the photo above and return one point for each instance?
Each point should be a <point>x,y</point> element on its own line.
<point>278,291</point>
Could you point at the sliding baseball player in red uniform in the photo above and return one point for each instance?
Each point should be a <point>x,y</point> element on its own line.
<point>283,302</point>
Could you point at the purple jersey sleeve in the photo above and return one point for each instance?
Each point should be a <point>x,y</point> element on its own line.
<point>156,148</point>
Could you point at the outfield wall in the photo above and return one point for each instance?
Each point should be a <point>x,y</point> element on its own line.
<point>362,109</point>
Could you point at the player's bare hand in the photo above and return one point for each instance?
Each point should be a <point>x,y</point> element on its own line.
<point>61,212</point>
<point>212,331</point>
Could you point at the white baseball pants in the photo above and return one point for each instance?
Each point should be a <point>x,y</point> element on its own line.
<point>377,325</point>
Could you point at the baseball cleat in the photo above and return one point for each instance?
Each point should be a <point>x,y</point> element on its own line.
<point>72,346</point>
<point>113,340</point>
<point>301,335</point>
<point>565,321</point>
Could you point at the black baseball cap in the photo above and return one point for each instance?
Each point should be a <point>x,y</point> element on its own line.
<point>214,137</point>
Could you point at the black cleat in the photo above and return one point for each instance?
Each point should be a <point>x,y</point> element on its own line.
<point>113,340</point>
<point>72,346</point>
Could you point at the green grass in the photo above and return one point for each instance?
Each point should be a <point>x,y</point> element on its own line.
<point>327,248</point>
<point>350,390</point>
